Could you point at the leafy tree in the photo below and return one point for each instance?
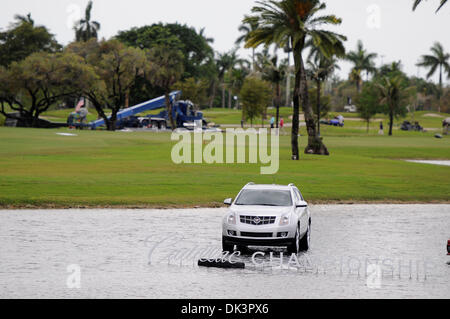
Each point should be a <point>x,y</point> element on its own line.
<point>424,87</point>
<point>21,19</point>
<point>417,2</point>
<point>368,102</point>
<point>362,61</point>
<point>439,59</point>
<point>32,85</point>
<point>86,29</point>
<point>166,68</point>
<point>193,90</point>
<point>198,55</point>
<point>255,95</point>
<point>202,34</point>
<point>394,96</point>
<point>118,67</point>
<point>290,23</point>
<point>24,38</point>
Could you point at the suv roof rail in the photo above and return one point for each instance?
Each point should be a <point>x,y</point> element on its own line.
<point>291,184</point>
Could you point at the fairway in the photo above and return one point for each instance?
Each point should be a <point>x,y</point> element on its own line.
<point>99,168</point>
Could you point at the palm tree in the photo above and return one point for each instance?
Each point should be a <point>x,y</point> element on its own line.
<point>438,59</point>
<point>225,63</point>
<point>261,59</point>
<point>294,22</point>
<point>86,29</point>
<point>362,61</point>
<point>246,28</point>
<point>288,51</point>
<point>274,72</point>
<point>237,78</point>
<point>392,94</point>
<point>320,68</point>
<point>417,2</point>
<point>394,68</point>
<point>355,76</point>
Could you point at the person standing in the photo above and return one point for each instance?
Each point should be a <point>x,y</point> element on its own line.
<point>282,125</point>
<point>272,123</point>
<point>381,131</point>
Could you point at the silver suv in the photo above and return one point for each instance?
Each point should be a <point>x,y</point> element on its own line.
<point>267,215</point>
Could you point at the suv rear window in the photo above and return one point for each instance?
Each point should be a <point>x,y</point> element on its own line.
<point>253,197</point>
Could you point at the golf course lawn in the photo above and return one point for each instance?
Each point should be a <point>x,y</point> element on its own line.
<point>99,168</point>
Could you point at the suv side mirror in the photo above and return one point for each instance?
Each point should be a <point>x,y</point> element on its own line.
<point>228,201</point>
<point>302,205</point>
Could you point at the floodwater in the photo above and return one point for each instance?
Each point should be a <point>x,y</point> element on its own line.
<point>442,163</point>
<point>358,251</point>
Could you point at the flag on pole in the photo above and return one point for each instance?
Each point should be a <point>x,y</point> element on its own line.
<point>79,105</point>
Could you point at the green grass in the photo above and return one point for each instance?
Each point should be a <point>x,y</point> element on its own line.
<point>231,116</point>
<point>40,168</point>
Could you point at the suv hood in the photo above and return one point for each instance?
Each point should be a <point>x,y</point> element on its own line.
<point>260,210</point>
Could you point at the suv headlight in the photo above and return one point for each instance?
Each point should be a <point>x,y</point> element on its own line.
<point>284,220</point>
<point>231,219</point>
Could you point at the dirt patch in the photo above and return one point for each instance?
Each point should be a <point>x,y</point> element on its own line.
<point>433,115</point>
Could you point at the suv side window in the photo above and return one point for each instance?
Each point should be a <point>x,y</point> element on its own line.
<point>299,194</point>
<point>296,197</point>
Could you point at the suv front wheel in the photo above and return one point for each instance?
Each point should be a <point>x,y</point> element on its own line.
<point>294,247</point>
<point>305,241</point>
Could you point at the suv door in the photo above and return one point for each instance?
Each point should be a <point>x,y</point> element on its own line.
<point>302,212</point>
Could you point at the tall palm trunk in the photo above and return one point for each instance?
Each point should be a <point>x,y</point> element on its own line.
<point>288,81</point>
<point>315,144</point>
<point>253,59</point>
<point>391,121</point>
<point>440,88</point>
<point>296,111</point>
<point>223,95</point>
<point>318,106</point>
<point>213,94</point>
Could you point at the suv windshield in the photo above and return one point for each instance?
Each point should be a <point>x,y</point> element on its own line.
<point>264,198</point>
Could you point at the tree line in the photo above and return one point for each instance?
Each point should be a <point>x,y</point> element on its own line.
<point>36,72</point>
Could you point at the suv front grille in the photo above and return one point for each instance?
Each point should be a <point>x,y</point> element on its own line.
<point>257,235</point>
<point>258,220</point>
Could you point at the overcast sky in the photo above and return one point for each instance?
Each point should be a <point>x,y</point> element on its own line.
<point>387,27</point>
